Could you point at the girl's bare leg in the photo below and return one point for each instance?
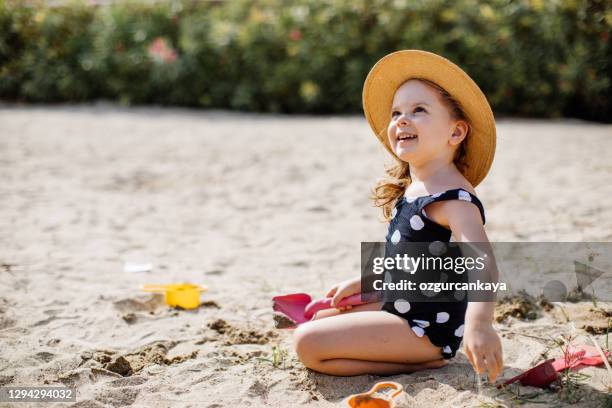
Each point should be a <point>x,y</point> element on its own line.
<point>369,342</point>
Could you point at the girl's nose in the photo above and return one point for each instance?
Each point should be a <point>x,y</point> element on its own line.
<point>403,120</point>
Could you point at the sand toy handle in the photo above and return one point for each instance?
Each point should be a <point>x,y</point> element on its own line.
<point>388,384</point>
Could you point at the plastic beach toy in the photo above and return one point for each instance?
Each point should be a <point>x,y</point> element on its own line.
<point>300,308</point>
<point>579,356</point>
<point>374,398</point>
<point>540,376</point>
<point>545,373</point>
<point>184,295</point>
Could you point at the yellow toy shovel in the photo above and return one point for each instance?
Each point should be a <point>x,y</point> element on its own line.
<point>184,295</point>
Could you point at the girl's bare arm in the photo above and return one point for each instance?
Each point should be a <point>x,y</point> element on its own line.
<point>482,345</point>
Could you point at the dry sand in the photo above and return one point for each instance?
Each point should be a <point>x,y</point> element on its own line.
<point>252,206</point>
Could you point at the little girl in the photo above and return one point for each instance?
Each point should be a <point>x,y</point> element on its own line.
<point>439,127</point>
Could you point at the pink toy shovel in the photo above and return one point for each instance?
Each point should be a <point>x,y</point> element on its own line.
<point>300,308</point>
<point>579,356</point>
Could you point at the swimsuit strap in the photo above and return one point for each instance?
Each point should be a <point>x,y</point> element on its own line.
<point>454,194</point>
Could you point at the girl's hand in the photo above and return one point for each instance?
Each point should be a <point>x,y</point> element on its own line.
<point>483,348</point>
<point>344,289</point>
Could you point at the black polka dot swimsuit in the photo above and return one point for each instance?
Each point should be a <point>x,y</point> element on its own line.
<point>441,322</point>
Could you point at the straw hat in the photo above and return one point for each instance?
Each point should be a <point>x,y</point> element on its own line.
<point>396,68</point>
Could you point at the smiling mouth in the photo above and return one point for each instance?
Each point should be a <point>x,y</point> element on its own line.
<point>406,136</point>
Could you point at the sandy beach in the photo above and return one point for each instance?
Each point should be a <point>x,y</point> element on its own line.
<point>251,206</point>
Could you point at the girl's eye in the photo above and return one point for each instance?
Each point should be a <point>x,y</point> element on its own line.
<point>417,109</point>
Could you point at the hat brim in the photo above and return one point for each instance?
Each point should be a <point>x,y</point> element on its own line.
<point>396,68</point>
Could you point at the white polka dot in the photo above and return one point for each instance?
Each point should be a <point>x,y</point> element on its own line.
<point>421,323</point>
<point>459,331</point>
<point>447,350</point>
<point>442,317</point>
<point>394,213</point>
<point>401,305</point>
<point>464,195</point>
<point>459,294</point>
<point>395,238</point>
<point>410,199</point>
<point>416,222</point>
<point>418,331</point>
<point>437,248</point>
<point>436,195</point>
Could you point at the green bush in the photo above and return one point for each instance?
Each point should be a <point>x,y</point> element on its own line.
<point>545,58</point>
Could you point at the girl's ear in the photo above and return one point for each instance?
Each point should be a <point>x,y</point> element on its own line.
<point>459,132</point>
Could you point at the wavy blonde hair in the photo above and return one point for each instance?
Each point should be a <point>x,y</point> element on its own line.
<point>387,191</point>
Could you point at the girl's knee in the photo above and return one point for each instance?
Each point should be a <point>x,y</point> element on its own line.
<point>305,345</point>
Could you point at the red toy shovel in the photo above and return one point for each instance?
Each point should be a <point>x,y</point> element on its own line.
<point>545,373</point>
<point>541,376</point>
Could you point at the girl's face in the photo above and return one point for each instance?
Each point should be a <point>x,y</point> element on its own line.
<point>421,127</point>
